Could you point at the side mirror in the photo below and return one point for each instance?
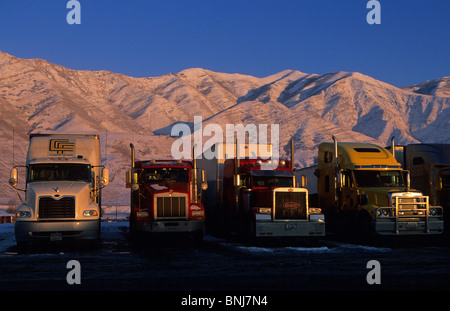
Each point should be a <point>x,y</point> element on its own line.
<point>407,178</point>
<point>105,177</point>
<point>93,179</point>
<point>134,181</point>
<point>339,181</point>
<point>304,181</point>
<point>204,184</point>
<point>13,179</point>
<point>237,180</point>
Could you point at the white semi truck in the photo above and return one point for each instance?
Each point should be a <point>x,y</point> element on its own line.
<point>64,178</point>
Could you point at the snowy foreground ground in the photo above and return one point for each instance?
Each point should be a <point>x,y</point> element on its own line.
<point>8,242</point>
<point>113,229</point>
<point>119,264</point>
<point>219,265</point>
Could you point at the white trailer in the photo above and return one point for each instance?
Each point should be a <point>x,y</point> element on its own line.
<point>213,160</point>
<point>309,178</point>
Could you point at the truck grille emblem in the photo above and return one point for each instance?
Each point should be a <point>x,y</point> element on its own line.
<point>290,205</point>
<point>61,146</point>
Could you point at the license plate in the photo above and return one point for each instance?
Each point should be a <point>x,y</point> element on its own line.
<point>56,236</point>
<point>291,226</point>
<point>171,224</point>
<point>411,226</point>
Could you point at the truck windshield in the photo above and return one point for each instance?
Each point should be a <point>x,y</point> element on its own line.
<point>272,181</point>
<point>379,179</point>
<point>166,174</point>
<point>59,171</point>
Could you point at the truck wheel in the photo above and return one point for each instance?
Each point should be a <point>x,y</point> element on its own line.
<point>22,247</point>
<point>364,227</point>
<point>132,229</point>
<point>250,234</point>
<point>198,236</point>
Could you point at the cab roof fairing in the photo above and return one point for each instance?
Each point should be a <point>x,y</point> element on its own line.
<point>361,156</point>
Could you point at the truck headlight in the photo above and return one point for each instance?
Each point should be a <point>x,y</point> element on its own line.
<point>23,214</point>
<point>197,213</point>
<point>434,211</point>
<point>265,210</point>
<point>141,214</point>
<point>385,212</point>
<point>90,213</point>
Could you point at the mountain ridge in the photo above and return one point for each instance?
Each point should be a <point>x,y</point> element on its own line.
<point>38,96</point>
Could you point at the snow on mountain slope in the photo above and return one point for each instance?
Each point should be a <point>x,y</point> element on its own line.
<point>436,87</point>
<point>37,96</point>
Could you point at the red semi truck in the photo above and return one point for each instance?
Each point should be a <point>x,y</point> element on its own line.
<point>253,201</point>
<point>166,197</point>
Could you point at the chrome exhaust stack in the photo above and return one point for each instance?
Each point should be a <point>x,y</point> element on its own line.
<point>393,146</point>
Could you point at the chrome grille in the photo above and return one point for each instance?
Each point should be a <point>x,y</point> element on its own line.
<point>290,205</point>
<point>171,207</point>
<point>404,203</point>
<point>412,206</point>
<point>50,208</point>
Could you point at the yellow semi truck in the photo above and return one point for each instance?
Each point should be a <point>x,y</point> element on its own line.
<point>362,186</point>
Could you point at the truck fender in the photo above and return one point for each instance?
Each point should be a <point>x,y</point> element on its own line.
<point>369,209</point>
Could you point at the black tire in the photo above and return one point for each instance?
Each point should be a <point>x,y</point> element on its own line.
<point>250,230</point>
<point>132,230</point>
<point>365,228</point>
<point>22,247</point>
<point>198,237</point>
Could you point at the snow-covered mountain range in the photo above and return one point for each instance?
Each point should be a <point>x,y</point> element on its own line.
<point>37,96</point>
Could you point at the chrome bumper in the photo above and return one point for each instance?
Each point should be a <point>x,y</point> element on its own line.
<point>409,221</point>
<point>26,231</point>
<point>409,227</point>
<point>289,228</point>
<point>171,226</point>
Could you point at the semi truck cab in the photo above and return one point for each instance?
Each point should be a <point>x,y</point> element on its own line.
<point>363,184</point>
<point>166,197</point>
<point>62,190</point>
